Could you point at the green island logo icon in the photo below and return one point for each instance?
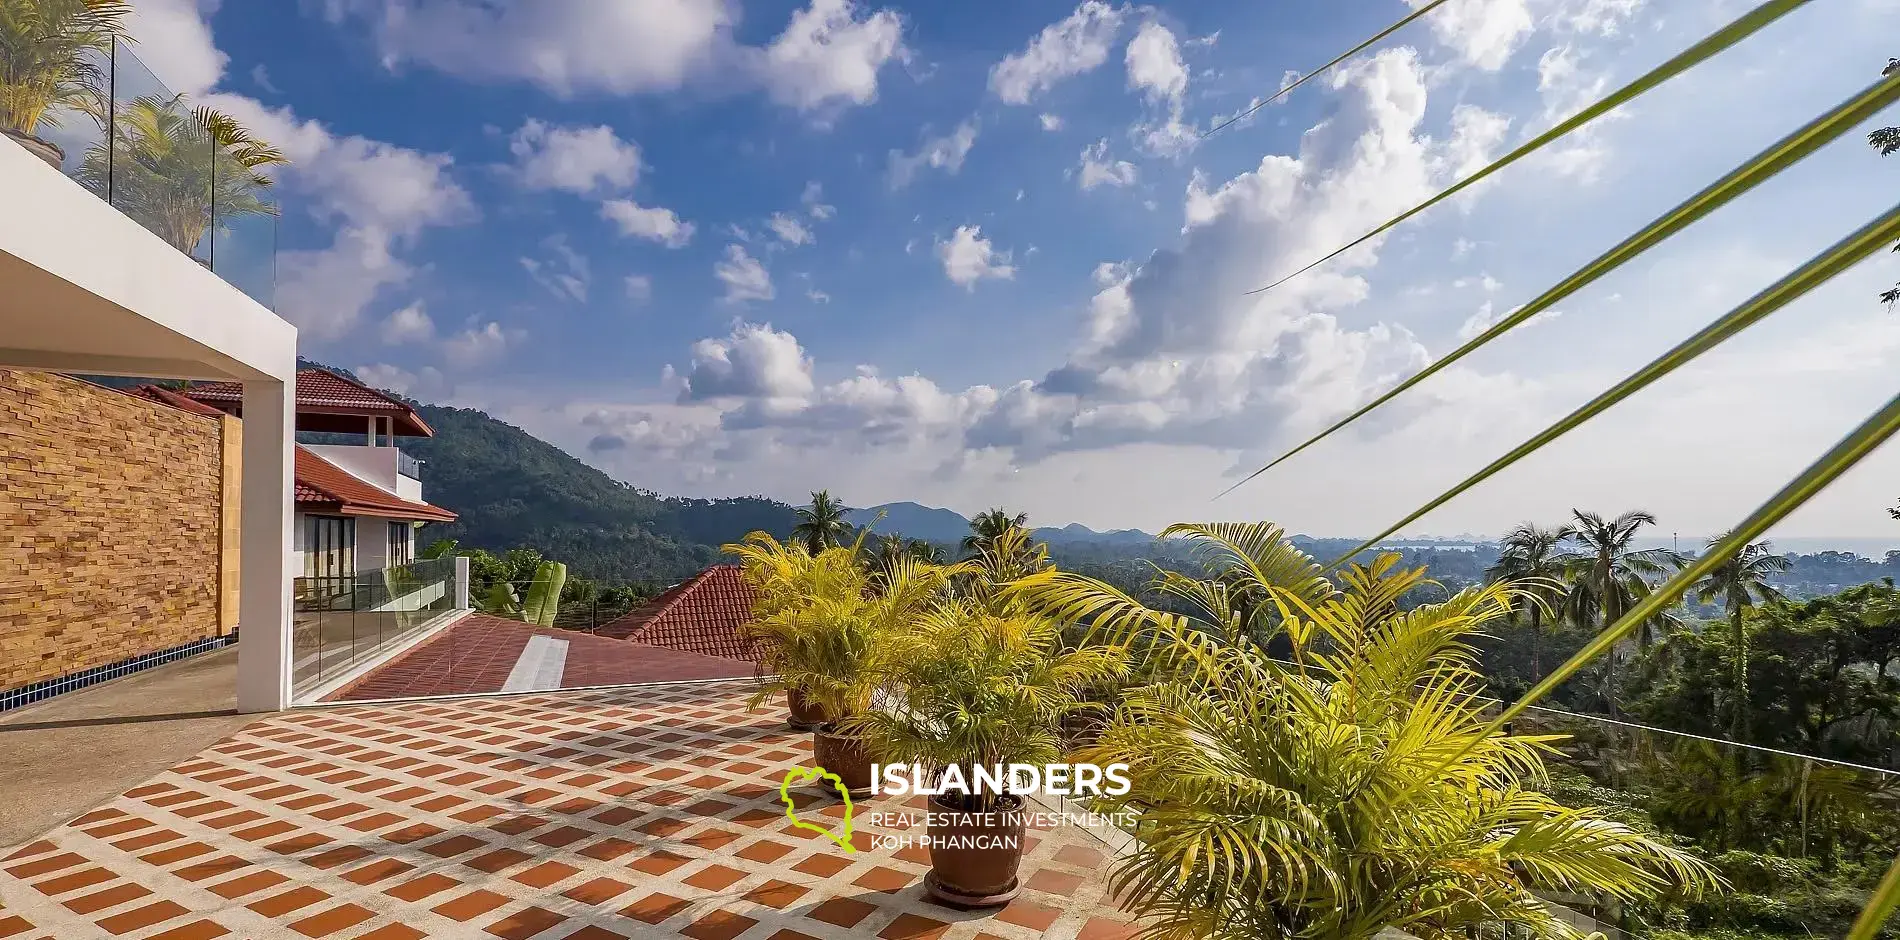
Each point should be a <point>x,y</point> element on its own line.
<point>799,775</point>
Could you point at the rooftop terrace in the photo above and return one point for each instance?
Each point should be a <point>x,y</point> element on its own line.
<point>647,812</point>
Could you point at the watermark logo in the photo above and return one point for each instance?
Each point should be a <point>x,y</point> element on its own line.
<point>1077,780</point>
<point>799,775</point>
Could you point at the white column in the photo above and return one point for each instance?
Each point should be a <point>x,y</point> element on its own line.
<point>461,582</point>
<point>264,621</point>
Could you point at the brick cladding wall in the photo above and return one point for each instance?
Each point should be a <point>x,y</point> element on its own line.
<point>109,526</point>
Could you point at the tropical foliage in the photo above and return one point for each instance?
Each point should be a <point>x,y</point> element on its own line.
<point>1353,787</point>
<point>53,56</point>
<point>822,524</point>
<point>180,171</point>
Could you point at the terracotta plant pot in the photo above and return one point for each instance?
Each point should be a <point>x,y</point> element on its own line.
<point>806,715</point>
<point>843,756</point>
<point>974,856</point>
<point>44,149</point>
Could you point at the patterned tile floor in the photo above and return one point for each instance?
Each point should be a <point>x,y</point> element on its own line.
<point>587,815</point>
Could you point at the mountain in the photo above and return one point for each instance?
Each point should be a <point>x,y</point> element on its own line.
<point>512,489</point>
<point>1077,532</point>
<point>913,521</point>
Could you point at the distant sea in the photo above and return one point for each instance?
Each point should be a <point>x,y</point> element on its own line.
<point>1874,548</point>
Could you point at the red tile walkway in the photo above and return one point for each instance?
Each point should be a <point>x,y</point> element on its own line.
<point>590,815</point>
<point>475,656</point>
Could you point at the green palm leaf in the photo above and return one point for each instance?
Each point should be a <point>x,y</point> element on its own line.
<point>1758,169</point>
<point>1880,907</point>
<point>1823,267</point>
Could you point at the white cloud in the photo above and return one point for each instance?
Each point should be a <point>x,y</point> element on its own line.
<point>789,229</point>
<point>1154,63</point>
<point>411,324</point>
<point>968,257</point>
<point>1566,87</point>
<point>1051,122</point>
<point>174,41</point>
<point>817,296</point>
<point>753,361</point>
<point>745,278</point>
<point>639,288</point>
<point>1098,169</point>
<point>565,273</point>
<point>650,223</point>
<point>936,153</point>
<point>380,197</point>
<point>1075,44</point>
<point>828,56</point>
<point>426,382</point>
<point>1484,33</point>
<point>566,47</point>
<point>480,343</point>
<point>813,201</point>
<point>1485,318</point>
<point>260,76</point>
<point>579,160</point>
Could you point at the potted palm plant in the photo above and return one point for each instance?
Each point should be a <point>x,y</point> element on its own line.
<point>1351,790</point>
<point>52,55</point>
<point>975,685</point>
<point>785,576</point>
<point>180,171</point>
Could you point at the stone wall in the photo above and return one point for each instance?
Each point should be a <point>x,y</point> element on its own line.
<point>110,526</point>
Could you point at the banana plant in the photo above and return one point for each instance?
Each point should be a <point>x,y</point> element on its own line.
<point>544,594</point>
<point>501,600</point>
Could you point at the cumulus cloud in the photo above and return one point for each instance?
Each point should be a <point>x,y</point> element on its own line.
<point>1484,33</point>
<point>380,198</point>
<point>937,153</point>
<point>828,56</point>
<point>424,383</point>
<point>789,229</point>
<point>1051,122</point>
<point>968,257</point>
<point>1075,44</point>
<point>175,43</point>
<point>579,160</point>
<point>1154,63</point>
<point>1099,169</point>
<point>1174,349</point>
<point>753,361</point>
<point>745,278</point>
<point>648,222</point>
<point>480,343</point>
<point>411,324</point>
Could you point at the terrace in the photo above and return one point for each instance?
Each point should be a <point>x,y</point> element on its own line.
<point>634,812</point>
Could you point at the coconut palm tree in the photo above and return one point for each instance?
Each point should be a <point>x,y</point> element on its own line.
<point>1608,575</point>
<point>53,56</point>
<point>1355,789</point>
<point>1741,582</point>
<point>180,172</point>
<point>987,527</point>
<point>822,525</point>
<point>1529,558</point>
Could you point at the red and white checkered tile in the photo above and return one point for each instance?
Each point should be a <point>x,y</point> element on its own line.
<point>648,812</point>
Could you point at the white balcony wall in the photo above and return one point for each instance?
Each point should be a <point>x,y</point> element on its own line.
<point>378,466</point>
<point>85,289</point>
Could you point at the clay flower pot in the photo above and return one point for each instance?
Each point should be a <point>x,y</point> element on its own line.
<point>44,149</point>
<point>974,855</point>
<point>843,756</point>
<point>806,715</point>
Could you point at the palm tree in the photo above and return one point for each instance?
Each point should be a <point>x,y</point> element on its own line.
<point>1354,789</point>
<point>52,58</point>
<point>822,525</point>
<point>989,526</point>
<point>180,172</point>
<point>1741,582</point>
<point>1528,558</point>
<point>1608,576</point>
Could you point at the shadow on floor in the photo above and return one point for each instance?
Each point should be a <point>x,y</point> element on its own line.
<point>63,756</point>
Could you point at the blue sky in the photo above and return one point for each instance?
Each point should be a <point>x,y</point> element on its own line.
<point>976,254</point>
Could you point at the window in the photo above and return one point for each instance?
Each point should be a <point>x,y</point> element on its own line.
<point>329,547</point>
<point>402,547</point>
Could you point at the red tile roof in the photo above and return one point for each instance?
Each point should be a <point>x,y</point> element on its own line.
<point>322,486</point>
<point>325,402</point>
<point>166,396</point>
<point>702,615</point>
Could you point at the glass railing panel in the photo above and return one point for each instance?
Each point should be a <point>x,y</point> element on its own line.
<point>342,624</point>
<point>159,170</point>
<point>243,249</point>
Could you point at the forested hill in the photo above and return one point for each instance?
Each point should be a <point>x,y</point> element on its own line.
<point>512,489</point>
